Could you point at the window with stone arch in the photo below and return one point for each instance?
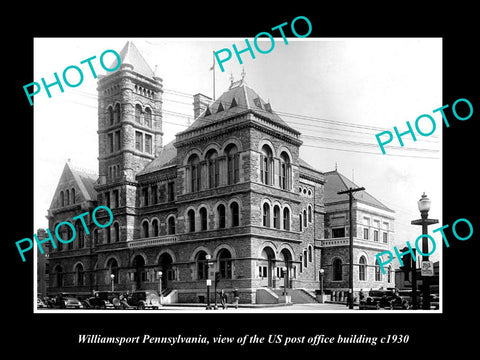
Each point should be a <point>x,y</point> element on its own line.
<point>155,228</point>
<point>171,225</point>
<point>213,165</point>
<point>221,216</point>
<point>203,218</point>
<point>378,275</point>
<point>195,173</point>
<point>286,218</point>
<point>62,199</point>
<point>234,214</point>
<point>337,270</point>
<point>201,265</point>
<point>80,234</point>
<point>224,259</point>
<point>266,214</point>
<point>138,113</point>
<point>285,171</point>
<point>310,215</point>
<point>233,164</point>
<point>79,275</point>
<point>145,232</point>
<point>112,266</point>
<point>362,269</point>
<point>266,165</point>
<point>110,118</point>
<point>148,117</point>
<point>276,217</point>
<point>310,253</point>
<point>116,114</point>
<point>191,220</point>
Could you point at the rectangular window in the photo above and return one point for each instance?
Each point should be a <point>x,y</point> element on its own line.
<point>170,191</point>
<point>145,196</point>
<point>375,235</point>
<point>116,199</point>
<point>107,199</point>
<point>110,142</point>
<point>138,141</point>
<point>148,143</point>
<point>385,237</point>
<point>236,168</point>
<point>338,233</point>
<point>117,140</point>
<point>365,233</point>
<point>154,194</point>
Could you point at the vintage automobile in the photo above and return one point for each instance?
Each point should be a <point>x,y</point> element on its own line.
<point>103,300</point>
<point>378,299</point>
<point>41,303</point>
<point>66,301</point>
<point>144,299</point>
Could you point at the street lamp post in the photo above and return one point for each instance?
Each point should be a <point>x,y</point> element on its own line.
<point>208,257</point>
<point>322,272</point>
<point>424,207</point>
<point>160,273</point>
<point>112,276</point>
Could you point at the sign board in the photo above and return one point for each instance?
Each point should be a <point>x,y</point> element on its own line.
<point>209,282</point>
<point>427,268</point>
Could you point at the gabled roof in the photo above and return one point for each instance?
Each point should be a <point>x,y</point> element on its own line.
<point>238,99</point>
<point>166,158</point>
<point>336,182</point>
<point>83,183</point>
<point>131,56</point>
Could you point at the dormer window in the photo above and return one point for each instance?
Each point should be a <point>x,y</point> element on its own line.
<point>258,103</point>
<point>220,108</point>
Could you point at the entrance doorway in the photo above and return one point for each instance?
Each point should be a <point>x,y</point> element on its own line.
<point>268,270</point>
<point>286,261</point>
<point>139,274</point>
<point>165,264</point>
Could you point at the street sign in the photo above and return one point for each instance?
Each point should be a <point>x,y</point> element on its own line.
<point>427,268</point>
<point>209,282</point>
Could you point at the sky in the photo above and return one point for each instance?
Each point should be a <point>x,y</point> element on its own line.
<point>338,92</point>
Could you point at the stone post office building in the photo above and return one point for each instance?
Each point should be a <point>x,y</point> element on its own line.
<point>231,186</point>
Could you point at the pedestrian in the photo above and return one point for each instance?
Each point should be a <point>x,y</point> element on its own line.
<point>361,295</point>
<point>223,298</point>
<point>235,298</point>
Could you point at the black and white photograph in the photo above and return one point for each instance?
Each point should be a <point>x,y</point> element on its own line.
<point>289,189</point>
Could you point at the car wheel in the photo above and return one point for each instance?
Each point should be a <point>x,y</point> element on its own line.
<point>141,306</point>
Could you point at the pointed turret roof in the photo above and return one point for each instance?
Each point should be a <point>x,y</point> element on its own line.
<point>237,100</point>
<point>131,56</point>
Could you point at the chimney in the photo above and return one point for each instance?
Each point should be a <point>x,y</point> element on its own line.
<point>200,103</point>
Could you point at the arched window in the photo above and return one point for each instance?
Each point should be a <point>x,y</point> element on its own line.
<point>79,275</point>
<point>389,274</point>
<point>67,197</point>
<point>266,165</point>
<point>73,196</point>
<point>112,265</point>
<point>110,115</point>
<point>362,268</point>
<point>305,258</point>
<point>378,275</point>
<point>225,264</point>
<point>304,218</point>
<point>145,229</point>
<point>337,270</point>
<point>203,219</point>
<point>233,164</point>
<point>266,215</point>
<point>310,254</point>
<point>276,217</point>
<point>171,225</point>
<point>80,234</point>
<point>116,114</point>
<point>58,276</point>
<point>195,173</point>
<point>155,227</point>
<point>191,220</point>
<point>221,216</point>
<point>148,117</point>
<point>108,234</point>
<point>235,215</point>
<point>95,237</point>
<point>286,219</point>
<point>201,265</point>
<point>138,113</point>
<point>310,213</point>
<point>116,232</point>
<point>213,169</point>
<point>62,199</point>
<point>285,171</point>
<point>300,222</point>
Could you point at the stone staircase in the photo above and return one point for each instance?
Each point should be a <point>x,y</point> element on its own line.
<point>275,296</point>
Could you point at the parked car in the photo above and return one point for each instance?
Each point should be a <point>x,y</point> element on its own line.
<point>41,303</point>
<point>103,300</point>
<point>377,299</point>
<point>66,301</point>
<point>144,299</point>
<point>408,296</point>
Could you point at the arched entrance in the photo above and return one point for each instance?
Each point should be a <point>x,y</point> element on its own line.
<point>267,269</point>
<point>286,261</point>
<point>139,276</point>
<point>165,265</point>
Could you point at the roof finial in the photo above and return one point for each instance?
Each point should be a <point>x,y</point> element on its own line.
<point>243,73</point>
<point>231,78</point>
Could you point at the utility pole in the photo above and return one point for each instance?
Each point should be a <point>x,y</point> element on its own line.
<point>350,192</point>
